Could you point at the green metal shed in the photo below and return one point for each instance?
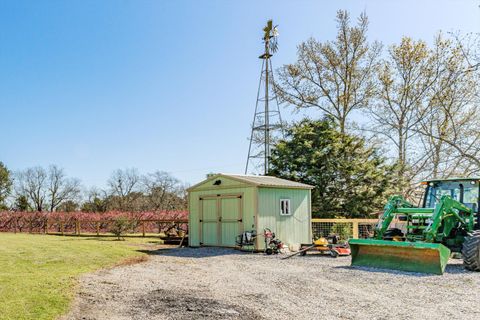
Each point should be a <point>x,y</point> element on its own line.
<point>225,205</point>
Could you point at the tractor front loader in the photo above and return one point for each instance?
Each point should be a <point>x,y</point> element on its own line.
<point>446,222</point>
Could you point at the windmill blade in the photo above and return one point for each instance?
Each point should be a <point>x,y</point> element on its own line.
<point>274,45</point>
<point>275,31</point>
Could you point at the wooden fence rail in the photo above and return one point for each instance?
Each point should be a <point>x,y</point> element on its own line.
<point>345,228</point>
<point>82,226</point>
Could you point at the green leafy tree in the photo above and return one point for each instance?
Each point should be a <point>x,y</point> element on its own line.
<point>95,205</point>
<point>5,185</point>
<point>21,204</point>
<point>351,179</point>
<point>68,206</point>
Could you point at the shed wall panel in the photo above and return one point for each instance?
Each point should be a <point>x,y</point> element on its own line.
<point>291,229</point>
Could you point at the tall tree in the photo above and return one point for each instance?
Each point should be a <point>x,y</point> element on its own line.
<point>46,189</point>
<point>335,76</point>
<point>351,179</point>
<point>453,110</point>
<point>21,204</point>
<point>5,185</point>
<point>33,183</point>
<point>452,125</point>
<point>164,192</point>
<point>60,188</point>
<point>428,108</point>
<point>123,187</point>
<point>405,78</point>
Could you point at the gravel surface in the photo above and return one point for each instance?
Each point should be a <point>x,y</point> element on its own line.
<point>215,283</point>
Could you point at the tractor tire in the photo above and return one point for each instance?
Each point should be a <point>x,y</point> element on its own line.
<point>471,251</point>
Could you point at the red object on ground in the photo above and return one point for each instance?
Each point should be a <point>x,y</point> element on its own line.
<point>342,251</point>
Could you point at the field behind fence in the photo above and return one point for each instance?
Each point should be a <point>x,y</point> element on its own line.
<point>91,223</point>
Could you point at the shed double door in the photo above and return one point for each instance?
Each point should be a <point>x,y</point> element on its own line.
<point>221,219</point>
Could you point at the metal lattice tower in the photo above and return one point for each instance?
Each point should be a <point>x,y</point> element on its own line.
<point>267,125</point>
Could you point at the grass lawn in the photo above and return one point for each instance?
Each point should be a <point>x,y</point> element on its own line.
<point>38,273</point>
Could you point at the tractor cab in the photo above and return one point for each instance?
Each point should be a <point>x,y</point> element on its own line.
<point>463,190</point>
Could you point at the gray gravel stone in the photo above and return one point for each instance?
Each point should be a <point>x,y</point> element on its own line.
<point>215,283</point>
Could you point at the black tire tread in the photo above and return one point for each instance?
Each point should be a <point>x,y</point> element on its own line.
<point>471,251</point>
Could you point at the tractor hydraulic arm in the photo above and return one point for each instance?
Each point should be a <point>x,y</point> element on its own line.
<point>390,211</point>
<point>450,213</point>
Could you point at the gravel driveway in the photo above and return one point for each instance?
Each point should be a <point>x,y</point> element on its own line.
<point>214,283</point>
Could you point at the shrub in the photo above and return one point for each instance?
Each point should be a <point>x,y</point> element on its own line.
<point>343,230</point>
<point>120,226</point>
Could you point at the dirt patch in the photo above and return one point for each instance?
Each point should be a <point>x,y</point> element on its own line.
<point>131,261</point>
<point>187,305</point>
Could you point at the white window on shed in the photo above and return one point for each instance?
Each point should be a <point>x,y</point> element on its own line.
<point>285,207</point>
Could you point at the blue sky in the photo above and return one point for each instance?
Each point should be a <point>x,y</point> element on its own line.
<point>170,85</point>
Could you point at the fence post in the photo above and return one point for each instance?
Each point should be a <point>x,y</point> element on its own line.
<point>355,229</point>
<point>143,229</point>
<point>31,226</point>
<point>46,226</point>
<point>77,227</point>
<point>62,228</point>
<point>98,228</point>
<point>15,225</point>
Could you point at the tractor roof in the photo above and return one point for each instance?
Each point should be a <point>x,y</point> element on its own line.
<point>453,179</point>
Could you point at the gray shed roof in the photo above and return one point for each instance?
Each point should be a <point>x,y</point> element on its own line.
<point>261,181</point>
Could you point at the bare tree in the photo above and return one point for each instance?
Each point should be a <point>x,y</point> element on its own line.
<point>124,188</point>
<point>469,44</point>
<point>60,188</point>
<point>453,111</point>
<point>428,107</point>
<point>32,183</point>
<point>336,77</point>
<point>459,106</point>
<point>164,192</point>
<point>406,76</point>
<point>46,189</point>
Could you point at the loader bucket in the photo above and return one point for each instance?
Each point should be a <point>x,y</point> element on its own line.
<point>406,256</point>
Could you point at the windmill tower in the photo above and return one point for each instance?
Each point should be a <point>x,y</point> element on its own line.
<point>267,124</point>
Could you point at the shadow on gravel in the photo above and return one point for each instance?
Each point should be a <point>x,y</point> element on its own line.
<point>194,252</point>
<point>451,268</point>
<point>173,304</point>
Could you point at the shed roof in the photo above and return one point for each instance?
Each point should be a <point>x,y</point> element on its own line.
<point>260,181</point>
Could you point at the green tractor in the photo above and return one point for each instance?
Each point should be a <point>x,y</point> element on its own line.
<point>446,222</point>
